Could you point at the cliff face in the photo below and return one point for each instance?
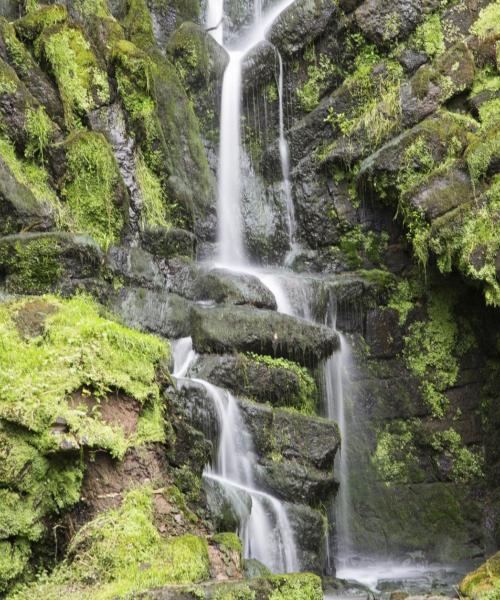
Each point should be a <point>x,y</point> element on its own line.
<point>108,156</point>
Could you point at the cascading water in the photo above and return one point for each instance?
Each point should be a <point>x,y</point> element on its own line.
<point>335,374</point>
<point>230,226</point>
<point>265,528</point>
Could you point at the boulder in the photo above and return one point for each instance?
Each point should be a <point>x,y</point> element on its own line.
<point>301,23</point>
<point>167,243</point>
<point>277,383</point>
<point>309,527</point>
<point>385,21</point>
<point>230,287</point>
<point>227,328</point>
<point>152,310</point>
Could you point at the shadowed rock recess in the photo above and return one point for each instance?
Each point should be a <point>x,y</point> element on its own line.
<point>387,219</point>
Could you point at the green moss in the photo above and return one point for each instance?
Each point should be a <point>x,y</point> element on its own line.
<point>154,210</point>
<point>93,188</point>
<point>39,129</point>
<point>33,177</point>
<point>431,349</point>
<point>82,83</point>
<point>429,36</point>
<point>14,557</point>
<point>80,351</point>
<point>467,465</point>
<point>34,23</point>
<point>375,111</point>
<point>17,54</point>
<point>305,401</point>
<point>229,541</point>
<point>358,245</point>
<point>402,300</point>
<point>34,263</point>
<point>138,25</point>
<point>484,582</point>
<point>395,457</point>
<point>319,73</point>
<point>121,552</point>
<point>488,23</point>
<point>299,586</point>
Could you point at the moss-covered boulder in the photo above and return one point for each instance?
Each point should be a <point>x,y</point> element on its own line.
<point>265,379</point>
<point>225,286</point>
<point>169,242</point>
<point>34,263</point>
<point>484,582</point>
<point>227,328</point>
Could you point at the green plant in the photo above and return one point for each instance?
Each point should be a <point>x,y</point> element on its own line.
<point>318,73</point>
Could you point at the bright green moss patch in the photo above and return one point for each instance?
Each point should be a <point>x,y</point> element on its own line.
<point>138,25</point>
<point>33,265</point>
<point>154,211</point>
<point>484,582</point>
<point>14,558</point>
<point>320,71</point>
<point>488,23</point>
<point>80,350</point>
<point>306,398</point>
<point>395,457</point>
<point>33,176</point>
<point>93,188</point>
<point>375,110</point>
<point>121,552</point>
<point>467,465</point>
<point>39,129</point>
<point>82,83</point>
<point>297,586</point>
<point>33,24</point>
<point>432,348</point>
<point>358,245</point>
<point>229,541</point>
<point>429,36</point>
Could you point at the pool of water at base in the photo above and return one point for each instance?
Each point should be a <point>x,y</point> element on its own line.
<point>378,580</point>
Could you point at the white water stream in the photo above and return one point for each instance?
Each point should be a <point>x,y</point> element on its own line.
<point>265,528</point>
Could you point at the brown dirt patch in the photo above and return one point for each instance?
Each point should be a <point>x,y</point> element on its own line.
<point>30,319</point>
<point>115,409</point>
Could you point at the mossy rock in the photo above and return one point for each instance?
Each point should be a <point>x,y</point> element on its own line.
<point>36,81</point>
<point>33,24</point>
<point>167,131</point>
<point>169,242</point>
<point>40,262</point>
<point>484,582</point>
<point>81,79</point>
<point>19,207</point>
<point>226,328</point>
<point>280,382</point>
<point>93,188</point>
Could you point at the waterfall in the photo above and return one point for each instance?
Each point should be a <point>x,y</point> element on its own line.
<point>265,528</point>
<point>335,378</point>
<point>230,226</point>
